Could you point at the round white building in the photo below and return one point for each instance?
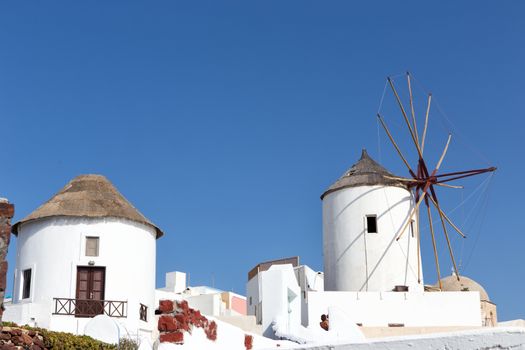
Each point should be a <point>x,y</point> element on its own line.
<point>86,251</point>
<point>363,214</point>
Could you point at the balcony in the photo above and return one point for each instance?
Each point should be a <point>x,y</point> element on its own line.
<point>90,308</point>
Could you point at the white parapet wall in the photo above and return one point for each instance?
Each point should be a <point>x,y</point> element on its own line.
<point>482,339</point>
<point>410,309</point>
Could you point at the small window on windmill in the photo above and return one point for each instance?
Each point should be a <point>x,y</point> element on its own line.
<point>92,246</point>
<point>26,284</point>
<point>412,227</point>
<point>371,223</point>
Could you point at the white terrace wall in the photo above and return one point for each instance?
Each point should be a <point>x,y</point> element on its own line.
<point>480,339</point>
<point>54,247</point>
<point>379,309</point>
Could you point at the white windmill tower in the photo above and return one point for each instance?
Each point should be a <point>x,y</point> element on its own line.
<point>86,251</point>
<point>363,213</point>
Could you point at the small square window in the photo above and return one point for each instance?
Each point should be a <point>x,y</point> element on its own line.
<point>371,223</point>
<point>26,283</point>
<point>92,246</point>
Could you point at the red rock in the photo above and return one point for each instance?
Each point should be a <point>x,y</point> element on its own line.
<point>174,337</point>
<point>183,322</point>
<point>3,273</point>
<point>196,318</point>
<point>180,318</point>
<point>211,331</point>
<point>166,306</point>
<point>248,342</point>
<point>7,210</point>
<point>17,340</point>
<point>183,306</point>
<point>26,339</point>
<point>8,347</point>
<point>38,341</point>
<point>167,323</point>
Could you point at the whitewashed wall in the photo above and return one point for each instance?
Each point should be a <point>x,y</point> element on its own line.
<point>208,304</point>
<point>54,247</point>
<point>309,280</point>
<point>355,260</point>
<point>280,298</point>
<point>425,309</point>
<point>253,292</point>
<point>481,339</point>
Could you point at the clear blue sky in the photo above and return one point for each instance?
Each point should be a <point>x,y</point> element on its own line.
<point>223,122</point>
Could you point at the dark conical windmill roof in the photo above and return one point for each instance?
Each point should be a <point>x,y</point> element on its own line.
<point>366,172</point>
<point>92,196</point>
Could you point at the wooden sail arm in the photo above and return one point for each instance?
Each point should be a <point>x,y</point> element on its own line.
<point>405,179</point>
<point>414,124</point>
<point>447,185</point>
<point>412,132</point>
<point>448,240</point>
<point>436,258</point>
<point>426,124</point>
<point>475,171</point>
<point>462,174</point>
<point>395,145</point>
<point>448,219</point>
<point>415,182</point>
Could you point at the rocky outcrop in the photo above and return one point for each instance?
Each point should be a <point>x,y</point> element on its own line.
<point>177,319</point>
<point>17,338</point>
<point>7,211</point>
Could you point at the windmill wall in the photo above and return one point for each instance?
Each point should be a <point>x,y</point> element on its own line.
<point>358,260</point>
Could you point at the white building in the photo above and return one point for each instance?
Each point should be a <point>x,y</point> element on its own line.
<point>370,278</point>
<point>281,287</point>
<point>87,251</point>
<point>209,301</point>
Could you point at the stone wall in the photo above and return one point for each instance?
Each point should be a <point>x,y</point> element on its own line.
<point>17,339</point>
<point>7,211</point>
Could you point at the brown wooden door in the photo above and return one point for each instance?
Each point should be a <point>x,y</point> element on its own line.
<point>90,291</point>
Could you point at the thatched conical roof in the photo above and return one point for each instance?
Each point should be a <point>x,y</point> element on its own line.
<point>92,196</point>
<point>366,172</point>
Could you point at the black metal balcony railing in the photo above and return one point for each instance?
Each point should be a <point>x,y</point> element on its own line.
<point>90,308</point>
<point>143,313</point>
